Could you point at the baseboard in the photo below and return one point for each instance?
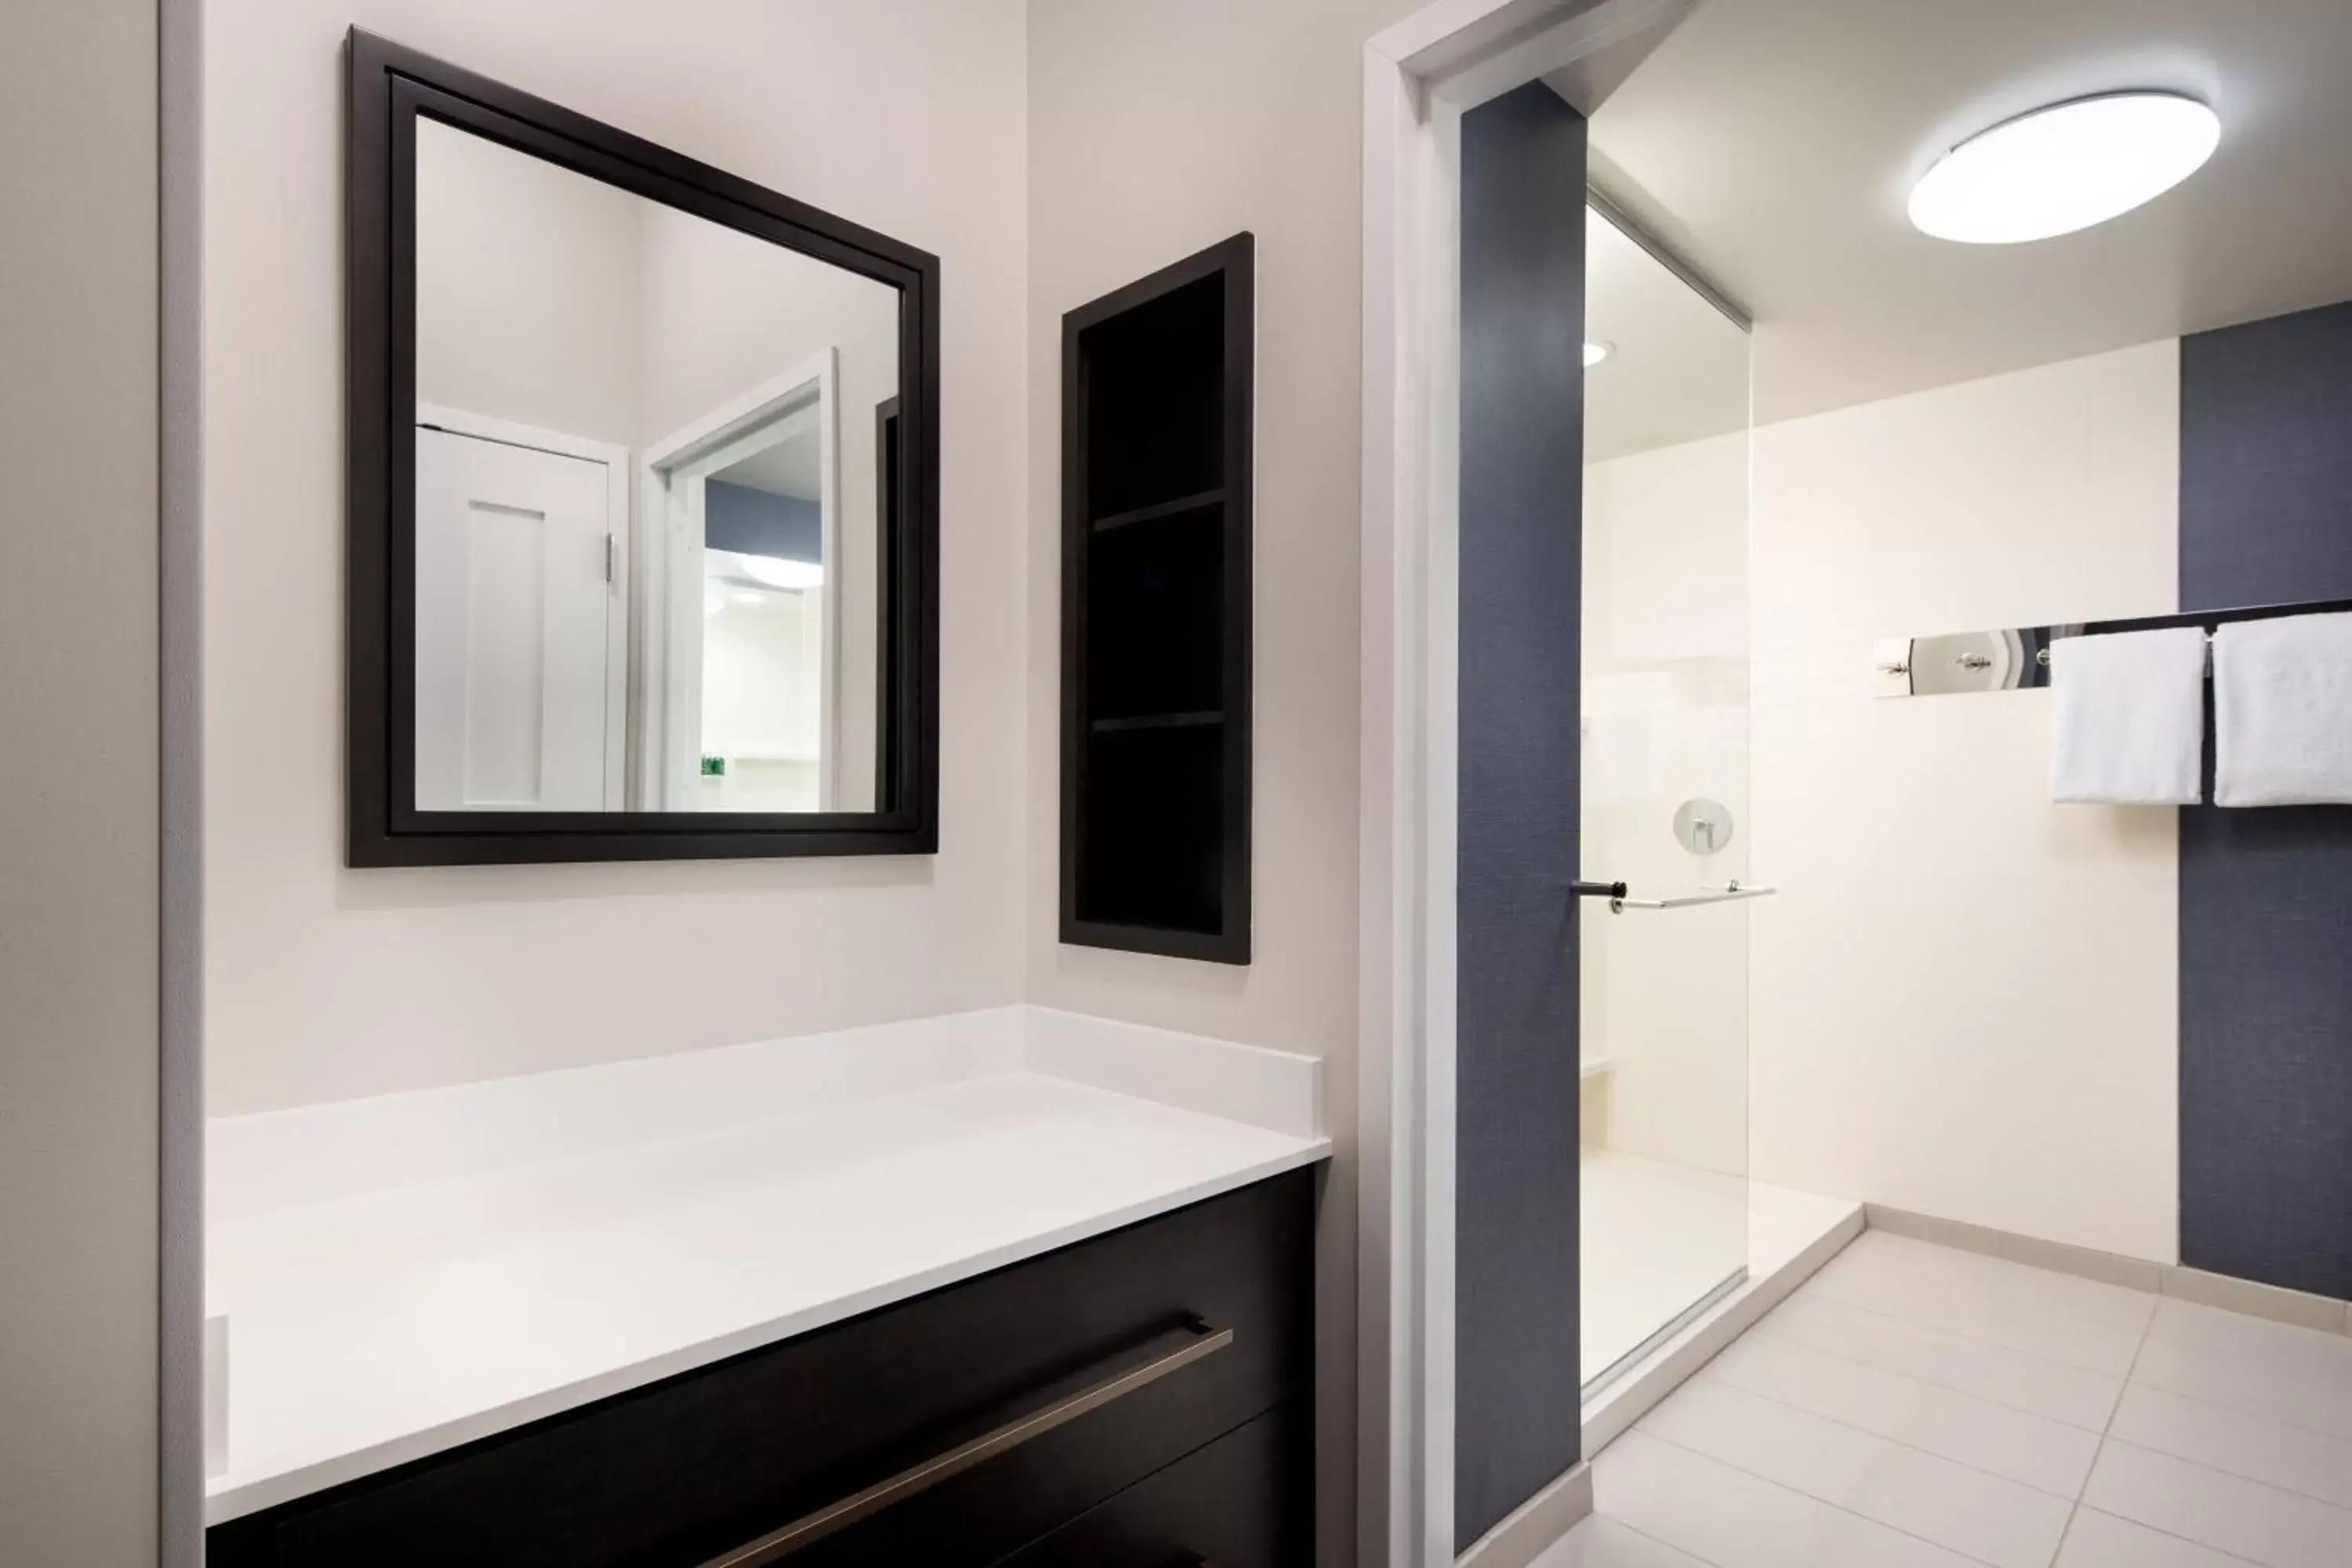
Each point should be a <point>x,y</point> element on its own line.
<point>2241,1296</point>
<point>2062,1257</point>
<point>1528,1531</point>
<point>2275,1302</point>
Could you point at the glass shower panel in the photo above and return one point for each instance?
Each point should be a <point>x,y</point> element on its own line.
<point>1663,971</point>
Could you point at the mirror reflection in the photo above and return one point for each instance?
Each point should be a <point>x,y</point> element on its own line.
<point>652,491</point>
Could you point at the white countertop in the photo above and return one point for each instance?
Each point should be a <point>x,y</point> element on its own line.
<point>380,1324</point>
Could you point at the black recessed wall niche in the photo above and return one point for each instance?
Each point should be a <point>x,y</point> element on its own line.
<point>1156,435</point>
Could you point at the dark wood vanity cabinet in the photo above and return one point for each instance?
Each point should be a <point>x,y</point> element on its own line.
<point>1207,1461</point>
<point>1231,1503</point>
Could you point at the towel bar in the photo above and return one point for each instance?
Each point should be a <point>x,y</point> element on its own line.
<point>2013,659</point>
<point>1620,898</point>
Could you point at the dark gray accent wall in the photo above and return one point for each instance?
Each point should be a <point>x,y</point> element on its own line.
<point>2266,896</point>
<point>757,522</point>
<point>2266,461</point>
<point>1516,1373</point>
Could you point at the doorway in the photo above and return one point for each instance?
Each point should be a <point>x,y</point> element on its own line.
<point>739,616</point>
<point>1470,1115</point>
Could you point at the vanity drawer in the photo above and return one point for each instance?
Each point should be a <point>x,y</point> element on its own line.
<point>1244,1501</point>
<point>685,1471</point>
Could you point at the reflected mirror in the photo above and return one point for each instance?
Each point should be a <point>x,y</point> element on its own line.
<point>659,566</point>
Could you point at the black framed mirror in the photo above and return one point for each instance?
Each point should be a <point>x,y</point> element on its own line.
<point>644,497</point>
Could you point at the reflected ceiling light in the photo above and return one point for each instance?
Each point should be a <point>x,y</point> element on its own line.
<point>713,600</point>
<point>2065,168</point>
<point>1595,353</point>
<point>778,573</point>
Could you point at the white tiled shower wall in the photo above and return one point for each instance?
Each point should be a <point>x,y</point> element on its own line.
<point>1963,1000</point>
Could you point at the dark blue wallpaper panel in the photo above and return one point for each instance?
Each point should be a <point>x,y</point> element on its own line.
<point>1516,1373</point>
<point>758,522</point>
<point>2266,896</point>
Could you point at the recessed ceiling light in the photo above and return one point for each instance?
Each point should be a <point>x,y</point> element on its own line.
<point>1595,353</point>
<point>2065,168</point>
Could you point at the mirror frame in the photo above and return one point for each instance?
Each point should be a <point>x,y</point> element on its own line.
<point>390,86</point>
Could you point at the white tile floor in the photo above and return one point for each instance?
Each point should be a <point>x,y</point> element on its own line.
<point>1912,1405</point>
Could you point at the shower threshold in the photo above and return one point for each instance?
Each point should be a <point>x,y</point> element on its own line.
<point>1790,1234</point>
<point>1634,1358</point>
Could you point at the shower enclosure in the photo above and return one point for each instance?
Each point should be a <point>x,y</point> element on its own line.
<point>1665,831</point>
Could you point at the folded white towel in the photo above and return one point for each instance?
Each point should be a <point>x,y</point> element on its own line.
<point>2128,717</point>
<point>2283,711</point>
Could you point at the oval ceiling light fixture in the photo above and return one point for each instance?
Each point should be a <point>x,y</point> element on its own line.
<point>2065,168</point>
<point>1595,353</point>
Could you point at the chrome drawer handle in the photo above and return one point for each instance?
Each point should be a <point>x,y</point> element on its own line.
<point>811,1527</point>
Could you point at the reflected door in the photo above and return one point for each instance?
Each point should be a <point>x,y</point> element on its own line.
<point>520,637</point>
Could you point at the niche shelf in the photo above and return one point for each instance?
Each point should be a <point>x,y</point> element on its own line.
<point>1156,432</point>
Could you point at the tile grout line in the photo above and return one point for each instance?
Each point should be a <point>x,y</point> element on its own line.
<point>1999,1262</point>
<point>1825,1502</point>
<point>1947,1388</point>
<point>1703,1374</point>
<point>2267,1417</point>
<point>1684,1550</point>
<point>2148,1330</point>
<point>2168,1535</point>
<point>1994,1344</point>
<point>2254,1481</point>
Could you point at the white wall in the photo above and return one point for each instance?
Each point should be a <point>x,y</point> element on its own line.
<point>1665,707</point>
<point>324,983</point>
<point>1159,127</point>
<point>1964,997</point>
<point>78,408</point>
<point>1962,1000</point>
<point>529,282</point>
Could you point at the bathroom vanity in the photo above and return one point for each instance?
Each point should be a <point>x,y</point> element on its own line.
<point>958,1291</point>
<point>642,562</point>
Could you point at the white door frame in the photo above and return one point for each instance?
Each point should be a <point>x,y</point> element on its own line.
<point>669,543</point>
<point>616,459</point>
<point>1419,78</point>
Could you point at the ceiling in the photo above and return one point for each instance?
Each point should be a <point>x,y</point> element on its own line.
<point>1771,144</point>
<point>789,467</point>
<point>1677,369</point>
